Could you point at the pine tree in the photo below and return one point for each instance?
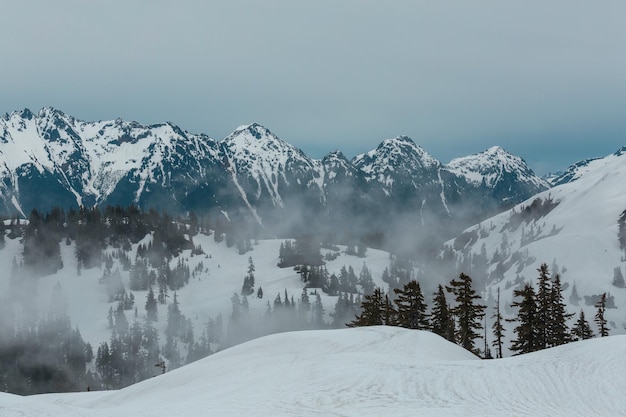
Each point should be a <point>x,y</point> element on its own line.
<point>366,281</point>
<point>526,331</point>
<point>498,328</point>
<point>559,333</point>
<point>582,329</point>
<point>440,317</point>
<point>411,307</point>
<point>544,305</point>
<point>151,306</point>
<point>600,320</point>
<point>374,310</point>
<point>468,312</point>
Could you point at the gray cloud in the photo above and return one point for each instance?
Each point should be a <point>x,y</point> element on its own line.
<point>544,80</point>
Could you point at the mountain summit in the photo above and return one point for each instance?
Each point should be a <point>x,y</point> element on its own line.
<point>52,159</point>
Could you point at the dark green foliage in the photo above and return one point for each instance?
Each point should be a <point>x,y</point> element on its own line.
<point>544,305</point>
<point>468,312</point>
<point>558,331</point>
<point>600,320</point>
<point>410,306</point>
<point>248,282</point>
<point>582,329</point>
<point>526,331</point>
<point>376,310</point>
<point>441,320</point>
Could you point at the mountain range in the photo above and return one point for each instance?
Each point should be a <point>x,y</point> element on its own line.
<point>53,159</point>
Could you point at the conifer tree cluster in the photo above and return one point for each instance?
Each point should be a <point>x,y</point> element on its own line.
<point>460,323</point>
<point>542,317</point>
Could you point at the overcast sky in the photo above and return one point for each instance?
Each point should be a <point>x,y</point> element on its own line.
<point>544,79</point>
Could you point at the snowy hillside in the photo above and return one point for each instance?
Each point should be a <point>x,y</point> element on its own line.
<point>572,227</point>
<point>371,371</point>
<point>220,272</point>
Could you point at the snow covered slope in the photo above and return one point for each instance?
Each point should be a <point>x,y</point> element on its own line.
<point>376,371</point>
<point>572,227</point>
<point>221,271</point>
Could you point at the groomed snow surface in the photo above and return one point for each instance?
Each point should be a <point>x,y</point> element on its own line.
<point>373,371</point>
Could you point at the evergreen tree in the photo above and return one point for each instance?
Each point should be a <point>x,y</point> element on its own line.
<point>366,281</point>
<point>411,307</point>
<point>374,310</point>
<point>248,282</point>
<point>526,331</point>
<point>498,328</point>
<point>544,305</point>
<point>559,333</point>
<point>468,312</point>
<point>441,320</point>
<point>600,320</point>
<point>151,306</point>
<point>582,329</point>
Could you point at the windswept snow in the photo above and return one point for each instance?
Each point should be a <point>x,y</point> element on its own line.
<point>375,371</point>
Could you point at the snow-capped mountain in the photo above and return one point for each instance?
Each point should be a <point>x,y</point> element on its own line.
<point>52,159</point>
<point>506,175</point>
<point>577,228</point>
<point>408,176</point>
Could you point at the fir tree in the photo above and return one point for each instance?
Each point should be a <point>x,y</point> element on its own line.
<point>366,281</point>
<point>600,320</point>
<point>526,331</point>
<point>558,331</point>
<point>374,310</point>
<point>582,329</point>
<point>544,305</point>
<point>151,306</point>
<point>498,328</point>
<point>468,312</point>
<point>441,321</point>
<point>411,308</point>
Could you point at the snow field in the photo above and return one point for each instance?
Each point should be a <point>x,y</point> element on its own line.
<point>363,372</point>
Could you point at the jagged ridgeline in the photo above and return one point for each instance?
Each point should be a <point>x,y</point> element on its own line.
<point>52,159</point>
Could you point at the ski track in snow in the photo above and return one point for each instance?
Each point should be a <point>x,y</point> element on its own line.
<point>376,371</point>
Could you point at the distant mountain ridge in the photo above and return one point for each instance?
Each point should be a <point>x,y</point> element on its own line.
<point>53,159</point>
